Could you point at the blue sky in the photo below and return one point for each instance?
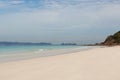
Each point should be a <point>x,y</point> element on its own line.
<point>81,21</point>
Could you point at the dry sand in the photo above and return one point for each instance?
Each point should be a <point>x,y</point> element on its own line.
<point>94,64</point>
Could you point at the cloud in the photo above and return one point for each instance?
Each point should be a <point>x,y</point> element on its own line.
<point>7,5</point>
<point>16,2</point>
<point>2,4</point>
<point>60,21</point>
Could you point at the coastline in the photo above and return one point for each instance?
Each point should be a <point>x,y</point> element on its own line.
<point>40,53</point>
<point>92,64</point>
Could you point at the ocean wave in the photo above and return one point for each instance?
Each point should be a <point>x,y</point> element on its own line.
<point>39,50</point>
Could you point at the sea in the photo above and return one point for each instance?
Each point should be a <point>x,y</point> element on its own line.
<point>21,52</point>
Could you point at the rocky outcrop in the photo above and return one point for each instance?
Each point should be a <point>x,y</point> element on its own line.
<point>112,39</point>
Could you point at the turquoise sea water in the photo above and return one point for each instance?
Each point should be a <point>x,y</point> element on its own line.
<point>20,52</point>
<point>27,48</point>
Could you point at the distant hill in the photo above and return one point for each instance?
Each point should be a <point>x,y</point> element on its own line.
<point>112,39</point>
<point>67,44</point>
<point>23,43</point>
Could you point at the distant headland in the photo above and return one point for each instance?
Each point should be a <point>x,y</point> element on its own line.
<point>69,44</point>
<point>23,43</point>
<point>111,40</point>
<point>31,43</point>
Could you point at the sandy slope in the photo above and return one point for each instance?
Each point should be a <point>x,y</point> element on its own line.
<point>95,64</point>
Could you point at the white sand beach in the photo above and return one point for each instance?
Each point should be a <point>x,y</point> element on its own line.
<point>93,64</point>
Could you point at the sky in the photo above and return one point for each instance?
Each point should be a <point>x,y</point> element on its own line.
<point>56,21</point>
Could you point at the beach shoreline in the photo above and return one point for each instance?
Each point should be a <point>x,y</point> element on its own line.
<point>92,64</point>
<point>44,53</point>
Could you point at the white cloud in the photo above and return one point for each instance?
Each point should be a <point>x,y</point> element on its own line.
<point>2,4</point>
<point>16,2</point>
<point>6,5</point>
<point>63,24</point>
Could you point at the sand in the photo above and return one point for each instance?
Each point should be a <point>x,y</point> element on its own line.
<point>94,64</point>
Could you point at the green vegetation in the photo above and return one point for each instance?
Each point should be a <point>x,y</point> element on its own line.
<point>116,37</point>
<point>113,39</point>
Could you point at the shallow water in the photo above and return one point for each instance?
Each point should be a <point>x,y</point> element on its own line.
<point>12,53</point>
